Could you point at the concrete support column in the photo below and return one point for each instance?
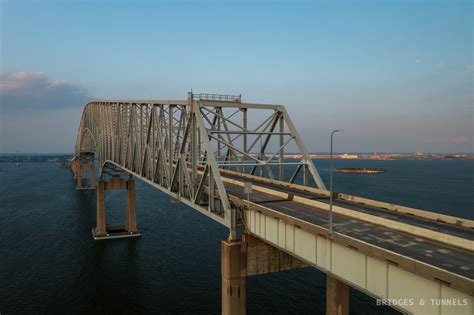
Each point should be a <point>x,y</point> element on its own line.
<point>100,227</point>
<point>233,273</point>
<point>92,174</point>
<point>131,219</point>
<point>84,168</point>
<point>337,297</point>
<point>74,168</point>
<point>79,174</point>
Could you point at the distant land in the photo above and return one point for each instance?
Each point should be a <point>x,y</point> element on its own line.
<point>62,157</point>
<point>390,156</point>
<point>34,157</point>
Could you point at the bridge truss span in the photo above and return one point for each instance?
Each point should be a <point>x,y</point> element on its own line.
<point>181,146</point>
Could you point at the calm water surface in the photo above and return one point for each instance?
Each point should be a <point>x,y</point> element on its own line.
<point>50,264</point>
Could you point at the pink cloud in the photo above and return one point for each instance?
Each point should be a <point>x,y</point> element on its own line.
<point>35,90</point>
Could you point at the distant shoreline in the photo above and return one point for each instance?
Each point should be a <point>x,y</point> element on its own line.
<point>59,157</point>
<point>388,156</point>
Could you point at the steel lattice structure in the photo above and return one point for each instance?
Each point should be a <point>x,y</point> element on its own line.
<point>180,146</point>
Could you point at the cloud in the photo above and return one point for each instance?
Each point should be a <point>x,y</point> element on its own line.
<point>469,68</point>
<point>39,114</point>
<point>35,91</point>
<point>418,61</point>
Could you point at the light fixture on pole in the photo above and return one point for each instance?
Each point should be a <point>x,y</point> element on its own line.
<point>330,184</point>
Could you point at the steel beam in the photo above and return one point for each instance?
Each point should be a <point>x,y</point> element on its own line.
<point>166,142</point>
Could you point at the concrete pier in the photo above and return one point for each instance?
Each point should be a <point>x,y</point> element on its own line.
<point>82,166</point>
<point>248,257</point>
<point>131,220</point>
<point>129,229</point>
<point>93,183</point>
<point>337,296</point>
<point>233,272</point>
<point>100,229</point>
<point>77,168</point>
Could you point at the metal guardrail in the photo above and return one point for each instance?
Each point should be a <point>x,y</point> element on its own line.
<point>217,97</point>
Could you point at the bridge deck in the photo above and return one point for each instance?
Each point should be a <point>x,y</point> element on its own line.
<point>452,259</point>
<point>443,227</point>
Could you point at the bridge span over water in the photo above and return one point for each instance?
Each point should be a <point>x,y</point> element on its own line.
<point>203,152</point>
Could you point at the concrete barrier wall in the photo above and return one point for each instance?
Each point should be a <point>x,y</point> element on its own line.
<point>379,204</point>
<point>395,225</point>
<point>411,211</point>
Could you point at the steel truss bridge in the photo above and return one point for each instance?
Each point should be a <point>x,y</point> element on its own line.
<point>203,150</point>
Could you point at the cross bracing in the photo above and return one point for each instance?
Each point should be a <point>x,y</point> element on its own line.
<point>181,146</point>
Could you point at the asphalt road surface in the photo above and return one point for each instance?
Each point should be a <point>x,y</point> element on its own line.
<point>456,260</point>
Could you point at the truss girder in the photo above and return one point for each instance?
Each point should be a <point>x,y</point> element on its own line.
<point>179,146</point>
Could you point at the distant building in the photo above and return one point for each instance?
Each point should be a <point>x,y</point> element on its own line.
<point>348,156</point>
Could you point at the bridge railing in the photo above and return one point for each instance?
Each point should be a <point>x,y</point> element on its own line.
<point>217,97</point>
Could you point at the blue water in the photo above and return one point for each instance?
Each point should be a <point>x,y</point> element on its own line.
<point>50,264</point>
<point>445,186</point>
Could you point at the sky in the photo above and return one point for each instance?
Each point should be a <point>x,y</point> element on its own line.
<point>396,76</point>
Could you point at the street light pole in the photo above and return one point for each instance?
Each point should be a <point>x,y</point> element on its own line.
<point>330,184</point>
